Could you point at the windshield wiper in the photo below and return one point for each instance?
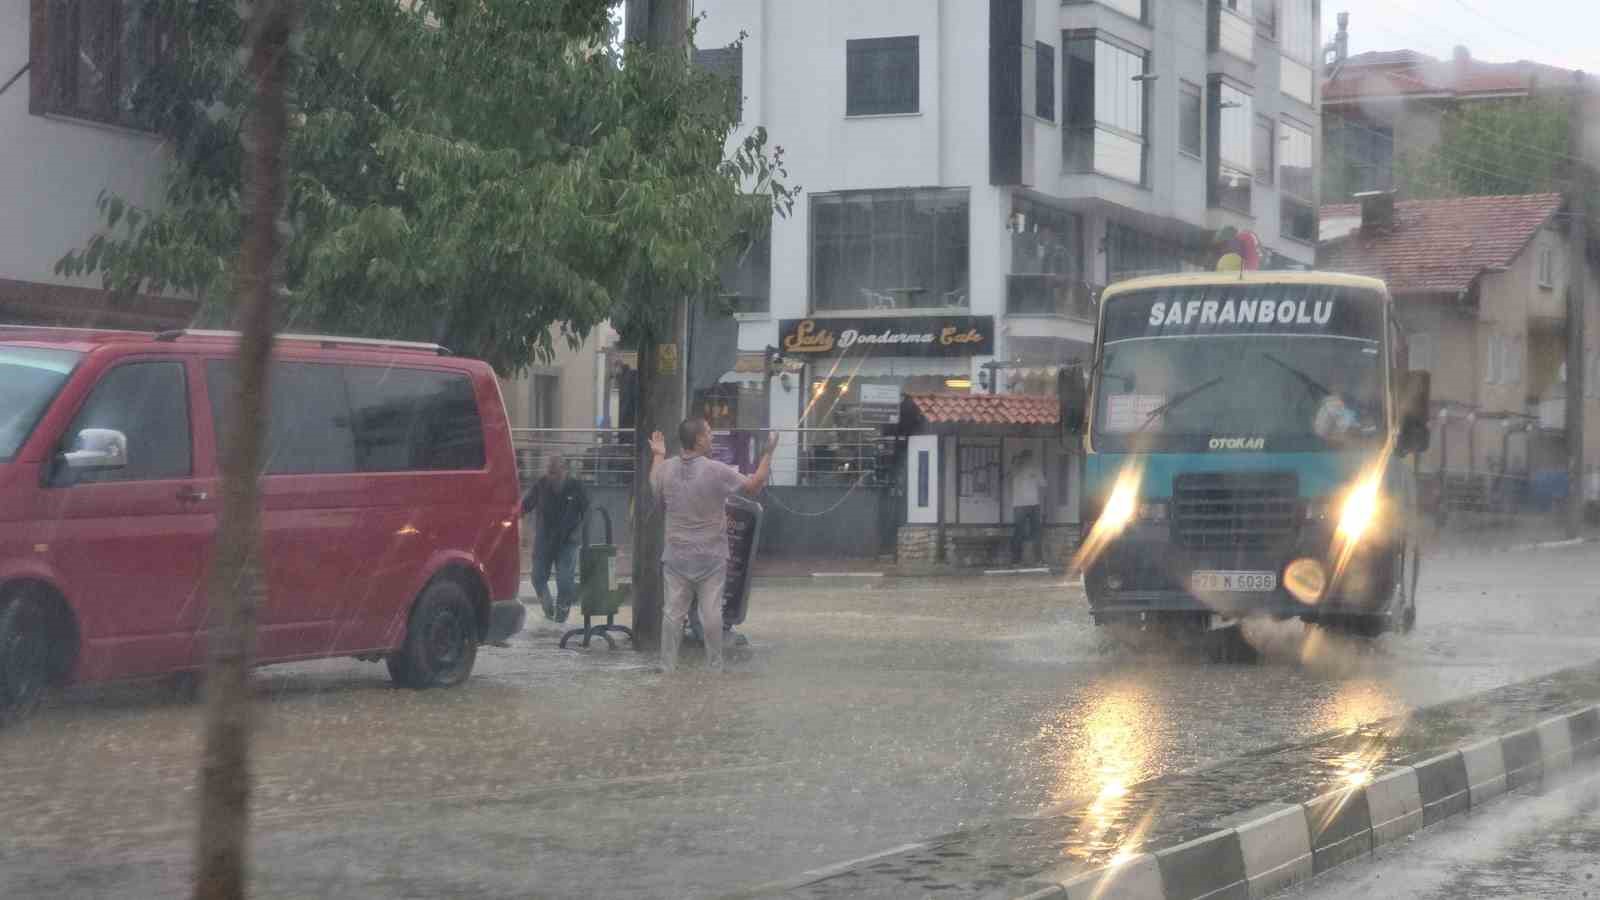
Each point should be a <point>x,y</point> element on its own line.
<point>1184,397</point>
<point>1317,387</point>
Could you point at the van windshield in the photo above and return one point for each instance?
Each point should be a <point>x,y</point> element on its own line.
<point>29,379</point>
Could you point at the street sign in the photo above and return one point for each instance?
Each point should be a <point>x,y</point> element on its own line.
<point>880,394</point>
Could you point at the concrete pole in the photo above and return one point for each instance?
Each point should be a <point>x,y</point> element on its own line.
<point>1578,185</point>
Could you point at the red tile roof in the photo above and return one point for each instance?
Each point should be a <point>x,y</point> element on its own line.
<point>1438,246</point>
<point>987,409</point>
<point>1401,73</point>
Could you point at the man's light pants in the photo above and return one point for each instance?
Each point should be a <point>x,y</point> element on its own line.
<point>681,594</point>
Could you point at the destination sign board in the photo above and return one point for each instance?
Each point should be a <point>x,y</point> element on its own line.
<point>1244,309</point>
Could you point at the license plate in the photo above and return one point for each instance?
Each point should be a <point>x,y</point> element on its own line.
<point>1242,582</point>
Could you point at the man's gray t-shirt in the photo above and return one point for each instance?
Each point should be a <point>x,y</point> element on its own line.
<point>694,490</point>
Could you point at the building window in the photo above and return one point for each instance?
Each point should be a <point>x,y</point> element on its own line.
<point>1131,253</point>
<point>747,274</point>
<point>1359,157</point>
<point>1191,119</point>
<point>1296,184</point>
<point>1046,262</point>
<point>1547,267</point>
<point>1424,352</point>
<point>1044,81</point>
<point>979,470</point>
<point>1231,28</point>
<point>89,57</point>
<point>1231,138</point>
<point>1295,75</point>
<point>923,472</point>
<point>1133,9</point>
<point>1266,147</point>
<point>886,250</point>
<point>728,64</point>
<point>1299,30</point>
<point>882,76</point>
<point>1504,363</point>
<point>1107,96</point>
<point>1267,19</point>
<point>544,401</point>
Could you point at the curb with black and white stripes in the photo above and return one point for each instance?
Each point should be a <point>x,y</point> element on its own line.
<point>1272,847</point>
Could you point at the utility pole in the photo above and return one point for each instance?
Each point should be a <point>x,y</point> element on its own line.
<point>655,25</point>
<point>1578,254</point>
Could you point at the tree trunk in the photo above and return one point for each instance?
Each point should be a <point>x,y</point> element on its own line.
<point>655,25</point>
<point>235,584</point>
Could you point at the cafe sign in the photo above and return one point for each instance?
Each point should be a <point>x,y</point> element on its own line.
<point>898,336</point>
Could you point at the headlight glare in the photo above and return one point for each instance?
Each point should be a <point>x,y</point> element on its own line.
<point>1359,510</point>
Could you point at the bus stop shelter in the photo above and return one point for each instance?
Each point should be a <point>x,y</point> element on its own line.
<point>960,453</point>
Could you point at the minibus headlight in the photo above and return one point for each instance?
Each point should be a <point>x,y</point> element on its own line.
<point>1359,510</point>
<point>1121,506</point>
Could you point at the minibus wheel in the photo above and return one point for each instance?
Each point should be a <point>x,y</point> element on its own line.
<point>25,657</point>
<point>441,642</point>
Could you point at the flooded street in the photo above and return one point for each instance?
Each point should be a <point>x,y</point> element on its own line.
<point>873,712</point>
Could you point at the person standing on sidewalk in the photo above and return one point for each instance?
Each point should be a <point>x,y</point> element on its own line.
<point>694,489</point>
<point>561,502</point>
<point>1027,482</point>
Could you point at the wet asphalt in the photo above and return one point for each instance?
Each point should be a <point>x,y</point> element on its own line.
<point>872,713</point>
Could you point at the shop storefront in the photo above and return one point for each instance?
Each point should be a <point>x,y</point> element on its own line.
<point>857,369</point>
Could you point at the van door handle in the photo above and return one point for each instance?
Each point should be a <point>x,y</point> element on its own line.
<point>191,494</point>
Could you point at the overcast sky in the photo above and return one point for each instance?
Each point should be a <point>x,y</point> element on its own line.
<point>1559,32</point>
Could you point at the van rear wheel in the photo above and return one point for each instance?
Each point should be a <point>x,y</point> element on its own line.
<point>441,642</point>
<point>25,658</point>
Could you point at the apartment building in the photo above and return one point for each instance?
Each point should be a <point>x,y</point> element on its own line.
<point>974,172</point>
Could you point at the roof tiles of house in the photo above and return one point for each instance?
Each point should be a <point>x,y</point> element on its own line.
<point>987,409</point>
<point>1438,246</point>
<point>1396,73</point>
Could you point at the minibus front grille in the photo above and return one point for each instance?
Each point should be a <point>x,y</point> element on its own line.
<point>1235,510</point>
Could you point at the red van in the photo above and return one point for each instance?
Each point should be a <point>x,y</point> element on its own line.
<point>389,505</point>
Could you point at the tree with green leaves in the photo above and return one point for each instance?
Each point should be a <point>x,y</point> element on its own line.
<point>482,174</point>
<point>1514,146</point>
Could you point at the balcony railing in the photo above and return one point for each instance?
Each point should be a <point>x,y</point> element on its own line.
<point>1232,33</point>
<point>1048,295</point>
<point>1103,150</point>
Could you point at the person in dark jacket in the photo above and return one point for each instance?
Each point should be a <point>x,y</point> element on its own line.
<point>561,502</point>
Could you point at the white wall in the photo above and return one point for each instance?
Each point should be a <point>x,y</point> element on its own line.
<point>51,170</point>
<point>794,84</point>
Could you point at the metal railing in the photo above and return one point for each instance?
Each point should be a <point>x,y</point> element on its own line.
<point>818,457</point>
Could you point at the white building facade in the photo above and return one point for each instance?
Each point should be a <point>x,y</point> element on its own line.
<point>986,166</point>
<point>66,136</point>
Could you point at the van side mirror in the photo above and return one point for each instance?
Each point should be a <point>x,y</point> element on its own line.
<point>1415,390</point>
<point>98,448</point>
<point>1074,396</point>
